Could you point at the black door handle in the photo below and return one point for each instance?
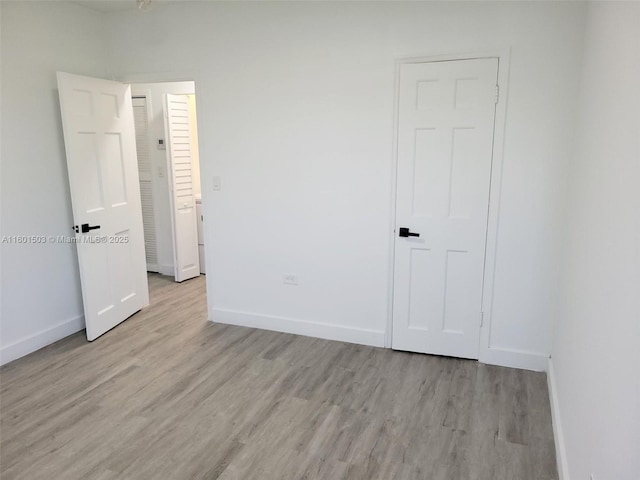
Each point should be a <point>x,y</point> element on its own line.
<point>405,232</point>
<point>85,227</point>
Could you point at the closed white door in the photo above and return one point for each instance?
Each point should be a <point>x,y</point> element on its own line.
<point>145,172</point>
<point>445,142</point>
<point>99,138</point>
<point>183,200</point>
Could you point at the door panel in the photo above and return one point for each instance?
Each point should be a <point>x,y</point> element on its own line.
<point>445,142</point>
<point>103,178</point>
<point>183,200</point>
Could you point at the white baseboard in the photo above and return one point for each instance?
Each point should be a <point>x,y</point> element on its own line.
<point>40,339</point>
<point>515,358</point>
<point>328,331</point>
<point>558,436</point>
<point>494,356</point>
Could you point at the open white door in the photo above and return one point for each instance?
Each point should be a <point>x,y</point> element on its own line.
<point>183,202</point>
<point>97,120</point>
<point>445,141</point>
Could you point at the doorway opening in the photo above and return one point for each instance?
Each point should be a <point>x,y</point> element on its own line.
<point>166,126</point>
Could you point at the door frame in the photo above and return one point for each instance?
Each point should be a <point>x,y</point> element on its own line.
<point>495,184</point>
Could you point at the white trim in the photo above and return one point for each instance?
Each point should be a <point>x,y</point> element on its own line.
<point>558,436</point>
<point>388,334</point>
<point>308,328</point>
<point>486,348</point>
<point>506,357</point>
<point>488,354</point>
<point>41,339</point>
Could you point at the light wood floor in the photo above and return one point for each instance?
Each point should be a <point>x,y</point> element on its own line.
<point>168,395</point>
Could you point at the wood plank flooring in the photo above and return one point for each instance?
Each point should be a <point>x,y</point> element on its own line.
<point>168,395</point>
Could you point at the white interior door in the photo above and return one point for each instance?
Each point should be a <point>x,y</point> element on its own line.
<point>183,204</point>
<point>145,172</point>
<point>99,138</point>
<point>445,142</point>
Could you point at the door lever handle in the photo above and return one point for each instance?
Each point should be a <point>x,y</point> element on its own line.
<point>405,232</point>
<point>85,227</point>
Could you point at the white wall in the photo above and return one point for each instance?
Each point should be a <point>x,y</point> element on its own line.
<point>155,93</point>
<point>41,300</point>
<point>296,116</point>
<point>595,374</point>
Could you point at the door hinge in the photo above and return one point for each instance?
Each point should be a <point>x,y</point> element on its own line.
<point>497,93</point>
<point>481,319</point>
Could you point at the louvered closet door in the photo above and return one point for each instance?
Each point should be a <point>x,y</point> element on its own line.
<point>145,171</point>
<point>183,205</point>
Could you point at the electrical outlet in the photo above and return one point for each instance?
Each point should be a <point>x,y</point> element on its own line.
<point>290,279</point>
